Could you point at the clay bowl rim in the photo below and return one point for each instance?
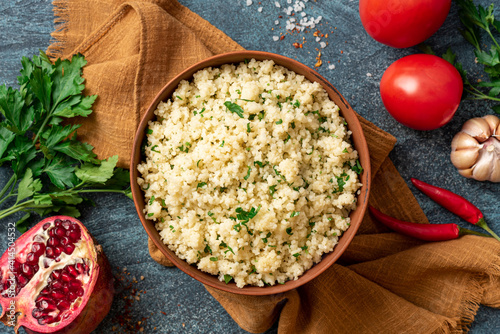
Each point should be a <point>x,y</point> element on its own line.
<point>357,138</point>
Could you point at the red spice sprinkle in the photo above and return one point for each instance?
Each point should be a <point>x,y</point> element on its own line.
<point>282,37</point>
<point>280,17</point>
<point>341,51</point>
<point>163,313</point>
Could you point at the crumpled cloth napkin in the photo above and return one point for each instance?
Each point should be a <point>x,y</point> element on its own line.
<point>383,283</point>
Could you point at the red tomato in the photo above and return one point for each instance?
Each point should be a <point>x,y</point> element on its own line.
<point>403,23</point>
<point>421,91</point>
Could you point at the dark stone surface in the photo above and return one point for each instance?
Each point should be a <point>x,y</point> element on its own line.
<point>360,63</point>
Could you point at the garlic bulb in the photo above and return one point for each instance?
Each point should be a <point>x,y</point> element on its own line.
<point>475,150</point>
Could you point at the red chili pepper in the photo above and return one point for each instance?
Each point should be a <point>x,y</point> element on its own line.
<point>428,232</point>
<point>454,203</point>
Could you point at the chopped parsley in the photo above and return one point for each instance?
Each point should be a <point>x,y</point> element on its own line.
<point>213,259</point>
<point>295,214</point>
<point>248,172</point>
<point>248,127</point>
<point>222,144</point>
<point>289,231</point>
<point>152,199</point>
<point>177,96</point>
<point>279,122</point>
<point>272,190</point>
<point>201,185</point>
<point>265,238</point>
<point>227,278</point>
<point>234,108</point>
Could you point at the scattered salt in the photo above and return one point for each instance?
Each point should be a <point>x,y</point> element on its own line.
<point>368,74</point>
<point>259,9</point>
<point>331,67</point>
<point>303,14</point>
<point>322,45</point>
<point>276,38</point>
<point>277,4</point>
<point>277,22</point>
<point>318,39</point>
<point>249,2</point>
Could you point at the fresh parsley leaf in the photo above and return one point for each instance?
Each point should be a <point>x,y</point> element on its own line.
<point>90,173</point>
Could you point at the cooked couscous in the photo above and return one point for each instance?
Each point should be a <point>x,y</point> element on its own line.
<point>249,173</point>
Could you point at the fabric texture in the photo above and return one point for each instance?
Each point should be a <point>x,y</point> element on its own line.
<point>383,283</point>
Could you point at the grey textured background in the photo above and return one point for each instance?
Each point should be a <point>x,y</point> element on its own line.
<point>26,26</point>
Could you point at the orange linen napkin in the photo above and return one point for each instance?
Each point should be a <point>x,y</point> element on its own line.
<point>384,282</point>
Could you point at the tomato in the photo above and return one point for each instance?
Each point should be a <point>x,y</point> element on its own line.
<point>403,23</point>
<point>421,91</point>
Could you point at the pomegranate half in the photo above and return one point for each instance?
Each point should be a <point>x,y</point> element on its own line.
<point>55,279</point>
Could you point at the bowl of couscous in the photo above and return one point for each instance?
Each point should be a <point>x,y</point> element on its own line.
<point>250,172</point>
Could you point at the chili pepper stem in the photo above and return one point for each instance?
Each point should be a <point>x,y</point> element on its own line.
<point>465,231</point>
<point>482,223</point>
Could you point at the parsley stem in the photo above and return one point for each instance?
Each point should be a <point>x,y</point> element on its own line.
<point>12,180</point>
<point>492,38</point>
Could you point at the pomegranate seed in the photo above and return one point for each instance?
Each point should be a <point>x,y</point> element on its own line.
<point>72,296</point>
<point>52,233</point>
<point>59,232</point>
<point>49,252</point>
<point>56,274</point>
<point>65,289</point>
<point>45,292</point>
<point>53,241</point>
<point>27,270</point>
<point>38,248</point>
<point>57,222</point>
<point>63,305</point>
<point>46,226</point>
<point>66,224</point>
<point>68,249</point>
<point>72,271</point>
<point>79,267</point>
<point>17,266</point>
<point>22,280</point>
<point>46,305</point>
<point>45,320</point>
<point>38,238</point>
<point>75,285</point>
<point>80,292</point>
<point>66,277</point>
<point>37,313</point>
<point>86,267</point>
<point>74,235</point>
<point>57,285</point>
<point>57,295</point>
<point>57,251</point>
<point>36,267</point>
<point>31,258</point>
<point>41,297</point>
<point>65,241</point>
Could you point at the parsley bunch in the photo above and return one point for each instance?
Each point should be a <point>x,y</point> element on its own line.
<point>51,167</point>
<point>477,20</point>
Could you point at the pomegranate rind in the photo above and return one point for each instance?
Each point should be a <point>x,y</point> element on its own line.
<point>95,303</point>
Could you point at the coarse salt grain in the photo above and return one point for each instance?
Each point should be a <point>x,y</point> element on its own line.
<point>259,9</point>
<point>249,2</point>
<point>368,74</point>
<point>322,45</point>
<point>277,22</point>
<point>277,4</point>
<point>318,39</point>
<point>331,67</point>
<point>276,38</point>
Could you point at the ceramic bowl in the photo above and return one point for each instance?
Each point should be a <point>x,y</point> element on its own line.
<point>357,139</point>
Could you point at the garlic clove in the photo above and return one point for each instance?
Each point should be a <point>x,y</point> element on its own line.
<point>466,172</point>
<point>465,158</point>
<point>482,169</point>
<point>463,141</point>
<point>478,128</point>
<point>495,171</point>
<point>494,123</point>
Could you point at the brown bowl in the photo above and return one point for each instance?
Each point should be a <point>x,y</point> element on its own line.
<point>357,138</point>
